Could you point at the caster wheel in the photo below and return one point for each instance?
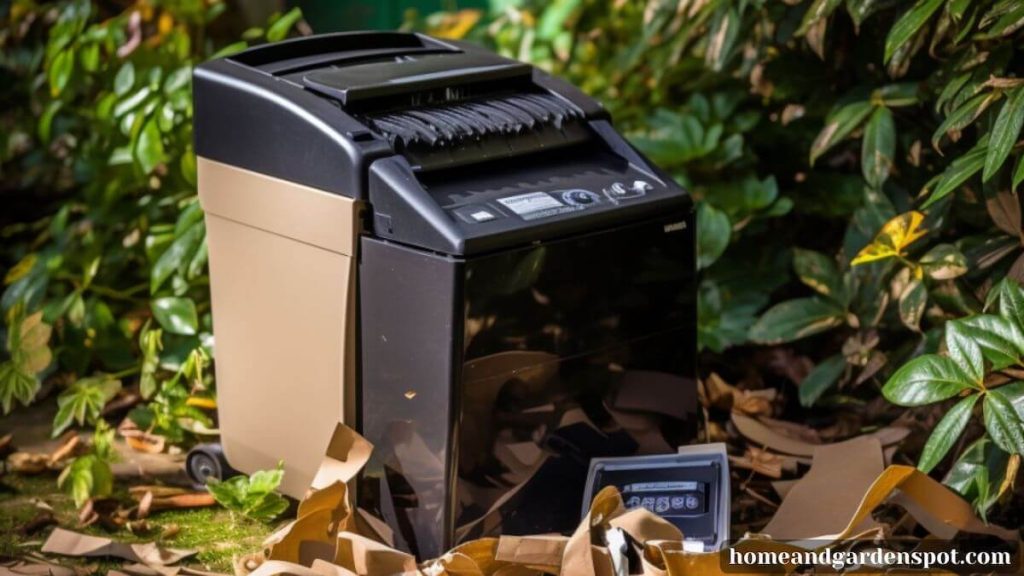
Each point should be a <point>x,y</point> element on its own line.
<point>207,461</point>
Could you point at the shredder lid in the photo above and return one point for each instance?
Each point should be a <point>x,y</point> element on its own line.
<point>357,82</point>
<point>453,148</point>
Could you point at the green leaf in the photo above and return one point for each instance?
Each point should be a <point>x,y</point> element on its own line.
<point>958,172</point>
<point>150,149</point>
<point>229,50</point>
<point>878,147</point>
<point>897,95</point>
<point>83,402</point>
<point>839,125</point>
<point>965,351</point>
<point>820,273</point>
<point>176,315</point>
<point>912,302</point>
<point>963,116</point>
<point>1011,301</point>
<point>713,233</point>
<point>177,80</point>
<point>16,385</point>
<point>1001,341</point>
<point>946,433</point>
<point>60,71</point>
<point>176,256</point>
<point>925,380</point>
<point>909,23</point>
<point>795,319</point>
<point>280,28</point>
<point>818,10</point>
<point>944,262</point>
<point>124,81</point>
<point>819,380</point>
<point>1003,423</point>
<point>1018,173</point>
<point>253,496</point>
<point>1004,132</point>
<point>981,456</point>
<point>88,476</point>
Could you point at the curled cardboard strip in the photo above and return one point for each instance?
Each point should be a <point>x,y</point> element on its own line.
<point>328,539</point>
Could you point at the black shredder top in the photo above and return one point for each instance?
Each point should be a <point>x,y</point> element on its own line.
<point>454,149</point>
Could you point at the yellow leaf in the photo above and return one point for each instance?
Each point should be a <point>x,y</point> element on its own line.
<point>21,269</point>
<point>201,402</point>
<point>893,238</point>
<point>455,25</point>
<point>165,23</point>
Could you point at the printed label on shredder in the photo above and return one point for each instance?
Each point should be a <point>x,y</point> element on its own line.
<point>535,205</point>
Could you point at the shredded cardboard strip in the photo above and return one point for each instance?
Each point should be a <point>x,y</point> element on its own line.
<point>330,537</point>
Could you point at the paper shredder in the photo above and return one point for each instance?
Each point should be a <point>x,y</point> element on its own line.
<point>455,253</point>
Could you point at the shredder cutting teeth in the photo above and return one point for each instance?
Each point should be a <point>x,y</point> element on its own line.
<point>454,253</point>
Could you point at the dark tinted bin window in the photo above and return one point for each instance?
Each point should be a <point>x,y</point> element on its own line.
<point>573,350</point>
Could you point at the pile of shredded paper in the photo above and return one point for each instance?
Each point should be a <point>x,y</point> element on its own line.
<point>331,537</point>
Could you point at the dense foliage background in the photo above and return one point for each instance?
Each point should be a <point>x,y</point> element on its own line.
<point>856,164</point>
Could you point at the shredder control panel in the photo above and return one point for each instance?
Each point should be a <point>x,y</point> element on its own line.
<point>601,189</point>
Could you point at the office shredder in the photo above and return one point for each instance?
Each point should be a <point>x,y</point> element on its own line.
<point>454,253</point>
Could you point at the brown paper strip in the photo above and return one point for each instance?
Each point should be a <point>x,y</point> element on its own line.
<point>821,503</point>
<point>70,543</point>
<point>762,435</point>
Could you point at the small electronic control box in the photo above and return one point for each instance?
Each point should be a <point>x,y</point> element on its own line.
<point>689,489</point>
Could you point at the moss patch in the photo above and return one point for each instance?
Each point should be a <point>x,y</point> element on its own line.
<point>214,532</point>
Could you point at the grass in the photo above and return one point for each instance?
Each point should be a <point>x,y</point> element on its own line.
<point>215,533</point>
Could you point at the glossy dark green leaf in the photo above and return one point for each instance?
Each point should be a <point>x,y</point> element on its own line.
<point>981,455</point>
<point>878,147</point>
<point>1018,173</point>
<point>965,351</point>
<point>795,319</point>
<point>821,378</point>
<point>908,24</point>
<point>1004,132</point>
<point>946,433</point>
<point>1011,301</point>
<point>925,380</point>
<point>839,125</point>
<point>1001,341</point>
<point>1003,423</point>
<point>176,315</point>
<point>713,233</point>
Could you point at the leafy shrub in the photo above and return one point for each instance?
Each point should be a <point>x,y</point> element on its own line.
<point>251,496</point>
<point>98,124</point>
<point>856,166</point>
<point>89,475</point>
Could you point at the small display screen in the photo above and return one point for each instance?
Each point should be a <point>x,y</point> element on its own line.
<point>667,498</point>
